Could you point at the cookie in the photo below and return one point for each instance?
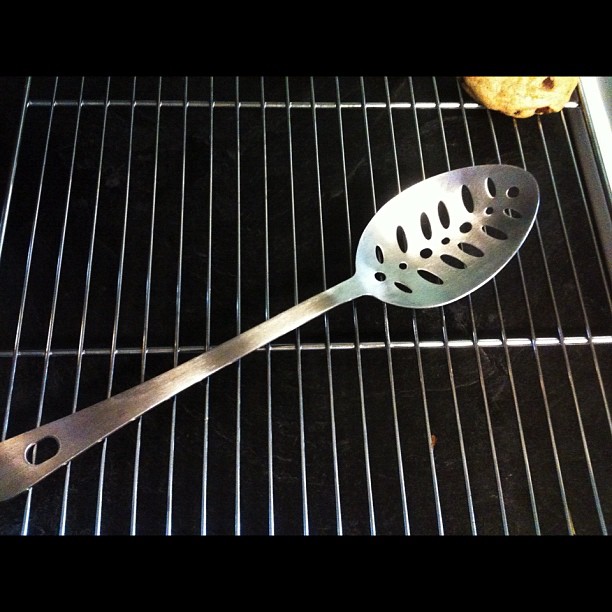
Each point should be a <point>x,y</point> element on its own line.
<point>521,97</point>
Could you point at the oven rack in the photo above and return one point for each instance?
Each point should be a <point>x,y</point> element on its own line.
<point>148,219</point>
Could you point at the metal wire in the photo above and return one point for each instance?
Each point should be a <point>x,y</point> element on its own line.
<point>475,340</point>
<point>449,362</point>
<point>388,343</point>
<point>568,366</point>
<point>328,354</point>
<point>268,348</point>
<point>28,268</point>
<point>204,513</point>
<point>432,461</point>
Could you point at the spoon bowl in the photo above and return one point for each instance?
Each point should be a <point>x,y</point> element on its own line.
<point>443,238</point>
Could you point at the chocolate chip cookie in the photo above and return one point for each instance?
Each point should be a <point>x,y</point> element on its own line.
<point>521,97</point>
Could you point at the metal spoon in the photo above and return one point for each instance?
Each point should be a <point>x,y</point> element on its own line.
<point>430,245</point>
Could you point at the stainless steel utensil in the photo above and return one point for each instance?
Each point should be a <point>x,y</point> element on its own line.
<point>432,244</point>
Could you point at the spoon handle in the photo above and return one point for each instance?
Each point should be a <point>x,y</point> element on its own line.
<point>75,433</point>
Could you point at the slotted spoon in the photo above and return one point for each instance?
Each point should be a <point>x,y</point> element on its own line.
<point>432,244</point>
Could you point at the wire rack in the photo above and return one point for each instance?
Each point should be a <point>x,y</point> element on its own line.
<point>146,220</point>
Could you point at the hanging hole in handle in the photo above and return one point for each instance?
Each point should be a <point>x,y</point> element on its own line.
<point>43,450</point>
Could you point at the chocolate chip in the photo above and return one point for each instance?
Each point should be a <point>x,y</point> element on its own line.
<point>548,83</point>
<point>543,110</point>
